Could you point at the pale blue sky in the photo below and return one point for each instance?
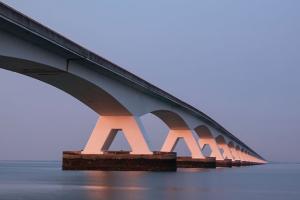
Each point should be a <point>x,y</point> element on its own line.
<point>238,61</point>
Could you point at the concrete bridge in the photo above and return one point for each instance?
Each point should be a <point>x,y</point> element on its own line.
<point>118,96</point>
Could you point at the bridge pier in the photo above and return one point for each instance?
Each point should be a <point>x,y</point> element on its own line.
<point>206,138</point>
<point>224,146</point>
<point>189,162</point>
<point>119,161</point>
<point>106,130</point>
<point>236,163</point>
<point>224,163</point>
<point>96,156</point>
<point>173,138</point>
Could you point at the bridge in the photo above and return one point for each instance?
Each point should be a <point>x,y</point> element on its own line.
<point>118,96</point>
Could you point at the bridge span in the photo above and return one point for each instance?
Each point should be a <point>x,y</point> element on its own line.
<point>118,96</point>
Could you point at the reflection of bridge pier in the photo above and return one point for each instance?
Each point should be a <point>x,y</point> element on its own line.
<point>118,96</point>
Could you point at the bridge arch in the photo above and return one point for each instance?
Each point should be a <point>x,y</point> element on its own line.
<point>173,120</point>
<point>90,94</point>
<point>83,90</point>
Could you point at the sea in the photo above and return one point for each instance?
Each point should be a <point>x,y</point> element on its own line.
<point>45,180</point>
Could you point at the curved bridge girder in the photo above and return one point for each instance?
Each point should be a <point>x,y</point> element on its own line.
<point>91,95</point>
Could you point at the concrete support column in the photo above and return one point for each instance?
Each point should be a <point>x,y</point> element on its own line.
<point>261,161</point>
<point>252,158</point>
<point>234,153</point>
<point>206,138</point>
<point>227,153</point>
<point>223,145</point>
<point>239,152</point>
<point>244,155</point>
<point>215,151</point>
<point>249,157</point>
<point>255,159</point>
<point>106,130</point>
<point>187,135</point>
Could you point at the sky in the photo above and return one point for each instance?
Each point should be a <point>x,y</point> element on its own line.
<point>237,61</point>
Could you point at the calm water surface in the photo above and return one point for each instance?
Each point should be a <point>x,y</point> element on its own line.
<point>46,180</point>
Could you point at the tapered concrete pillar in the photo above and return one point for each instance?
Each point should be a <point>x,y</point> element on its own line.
<point>187,135</point>
<point>106,129</point>
<point>239,153</point>
<point>243,155</point>
<point>246,157</point>
<point>261,161</point>
<point>249,157</point>
<point>215,151</point>
<point>255,159</point>
<point>236,154</point>
<point>223,145</point>
<point>227,153</point>
<point>206,138</point>
<point>233,151</point>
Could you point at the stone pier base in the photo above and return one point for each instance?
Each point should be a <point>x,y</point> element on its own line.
<point>236,163</point>
<point>188,162</point>
<point>246,163</point>
<point>119,161</point>
<point>224,163</point>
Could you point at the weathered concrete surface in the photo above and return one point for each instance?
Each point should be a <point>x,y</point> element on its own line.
<point>188,162</point>
<point>119,161</point>
<point>224,163</point>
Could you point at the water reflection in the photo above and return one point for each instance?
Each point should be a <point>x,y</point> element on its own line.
<point>113,185</point>
<point>145,185</point>
<point>45,180</point>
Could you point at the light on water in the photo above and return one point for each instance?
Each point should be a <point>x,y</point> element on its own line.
<point>46,180</point>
